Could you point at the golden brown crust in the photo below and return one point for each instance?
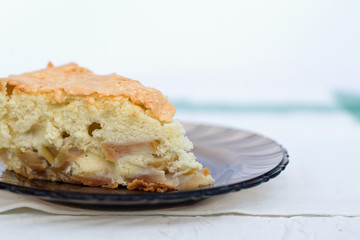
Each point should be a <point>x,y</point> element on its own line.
<point>2,85</point>
<point>139,184</point>
<point>206,171</point>
<point>72,80</point>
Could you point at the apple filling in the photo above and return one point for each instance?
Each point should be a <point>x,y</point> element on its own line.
<point>71,164</point>
<point>114,151</point>
<point>68,164</point>
<point>137,165</point>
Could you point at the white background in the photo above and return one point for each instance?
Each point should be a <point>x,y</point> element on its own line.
<point>242,51</point>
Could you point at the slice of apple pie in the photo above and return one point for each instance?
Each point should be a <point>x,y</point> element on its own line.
<point>67,124</point>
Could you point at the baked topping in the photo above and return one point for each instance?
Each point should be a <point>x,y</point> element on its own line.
<point>72,80</point>
<point>149,186</point>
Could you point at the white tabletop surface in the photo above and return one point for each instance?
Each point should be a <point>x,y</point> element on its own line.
<point>314,198</point>
<point>288,70</point>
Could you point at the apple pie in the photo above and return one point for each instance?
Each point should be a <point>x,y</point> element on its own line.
<point>70,125</point>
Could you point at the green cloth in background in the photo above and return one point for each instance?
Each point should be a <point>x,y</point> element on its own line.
<point>349,102</point>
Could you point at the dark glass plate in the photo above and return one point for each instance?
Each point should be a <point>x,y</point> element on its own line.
<point>237,160</point>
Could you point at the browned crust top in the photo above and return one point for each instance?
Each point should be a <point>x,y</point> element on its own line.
<point>139,184</point>
<point>73,80</point>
